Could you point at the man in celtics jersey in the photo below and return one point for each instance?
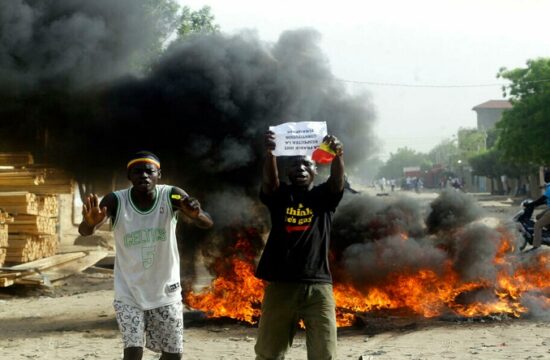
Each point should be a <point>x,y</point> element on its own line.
<point>148,302</point>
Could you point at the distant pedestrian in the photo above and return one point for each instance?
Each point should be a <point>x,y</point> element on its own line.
<point>347,186</point>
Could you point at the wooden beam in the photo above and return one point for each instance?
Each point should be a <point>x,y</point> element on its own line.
<point>62,271</point>
<point>49,261</point>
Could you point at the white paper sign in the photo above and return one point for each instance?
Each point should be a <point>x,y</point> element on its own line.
<point>298,138</point>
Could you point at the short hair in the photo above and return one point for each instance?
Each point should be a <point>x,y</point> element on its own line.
<point>143,156</point>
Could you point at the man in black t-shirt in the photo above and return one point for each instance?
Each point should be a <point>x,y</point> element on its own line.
<point>295,258</point>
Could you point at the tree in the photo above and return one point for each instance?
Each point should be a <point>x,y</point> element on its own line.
<point>493,165</point>
<point>200,21</point>
<point>525,128</point>
<point>471,142</point>
<point>404,157</point>
<point>444,153</point>
<point>165,13</point>
<point>488,164</point>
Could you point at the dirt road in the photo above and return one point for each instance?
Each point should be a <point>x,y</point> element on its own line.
<point>75,320</point>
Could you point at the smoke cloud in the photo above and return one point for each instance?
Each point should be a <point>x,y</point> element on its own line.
<point>378,239</point>
<point>74,90</point>
<point>451,210</point>
<point>49,43</point>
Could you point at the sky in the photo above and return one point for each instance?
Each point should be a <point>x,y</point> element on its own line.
<point>438,58</point>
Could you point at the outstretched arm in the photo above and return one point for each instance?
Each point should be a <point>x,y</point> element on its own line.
<point>541,200</point>
<point>337,170</point>
<point>191,208</point>
<point>94,213</point>
<point>270,176</point>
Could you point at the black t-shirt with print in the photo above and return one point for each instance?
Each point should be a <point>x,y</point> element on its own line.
<point>298,244</point>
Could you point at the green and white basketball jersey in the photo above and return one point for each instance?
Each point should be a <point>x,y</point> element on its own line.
<point>147,272</point>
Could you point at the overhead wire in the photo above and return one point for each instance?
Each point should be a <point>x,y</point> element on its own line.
<point>377,83</point>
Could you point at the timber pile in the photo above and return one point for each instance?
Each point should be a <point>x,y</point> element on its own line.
<point>31,236</point>
<point>33,224</point>
<point>25,247</point>
<point>20,178</point>
<point>24,202</point>
<point>19,202</point>
<point>16,159</point>
<point>48,205</point>
<point>30,193</point>
<point>4,219</point>
<point>38,180</point>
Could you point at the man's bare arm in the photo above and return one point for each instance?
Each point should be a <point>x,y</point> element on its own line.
<point>94,213</point>
<point>191,208</point>
<point>270,174</point>
<point>337,169</point>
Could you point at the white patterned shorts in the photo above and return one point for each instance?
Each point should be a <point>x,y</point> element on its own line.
<point>161,329</point>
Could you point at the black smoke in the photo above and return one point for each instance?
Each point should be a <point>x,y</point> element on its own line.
<point>80,88</point>
<point>451,210</point>
<point>49,44</point>
<point>74,94</point>
<point>376,239</point>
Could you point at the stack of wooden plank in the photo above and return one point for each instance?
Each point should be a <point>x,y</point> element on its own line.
<point>5,218</point>
<point>16,159</point>
<point>33,224</point>
<point>48,205</point>
<point>56,182</point>
<point>31,237</point>
<point>30,192</point>
<point>35,179</point>
<point>25,247</point>
<point>17,179</point>
<point>19,202</point>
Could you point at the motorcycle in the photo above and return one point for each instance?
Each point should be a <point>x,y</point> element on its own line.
<point>526,225</point>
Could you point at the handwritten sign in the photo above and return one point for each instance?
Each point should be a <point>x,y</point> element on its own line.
<point>298,138</point>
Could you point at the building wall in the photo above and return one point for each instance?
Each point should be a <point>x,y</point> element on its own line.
<point>487,118</point>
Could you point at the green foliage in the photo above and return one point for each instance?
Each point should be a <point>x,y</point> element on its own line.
<point>486,164</point>
<point>492,136</point>
<point>525,129</point>
<point>164,14</point>
<point>444,153</point>
<point>167,20</point>
<point>471,142</point>
<point>200,21</point>
<point>492,164</point>
<point>404,157</point>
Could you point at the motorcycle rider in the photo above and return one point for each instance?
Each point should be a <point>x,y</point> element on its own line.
<point>544,218</point>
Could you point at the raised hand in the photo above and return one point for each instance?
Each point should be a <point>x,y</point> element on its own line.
<point>334,144</point>
<point>92,214</point>
<point>190,207</point>
<point>269,141</point>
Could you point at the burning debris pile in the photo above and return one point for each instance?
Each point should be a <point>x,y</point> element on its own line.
<point>390,256</point>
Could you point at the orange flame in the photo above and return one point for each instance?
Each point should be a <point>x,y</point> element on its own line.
<point>237,293</point>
